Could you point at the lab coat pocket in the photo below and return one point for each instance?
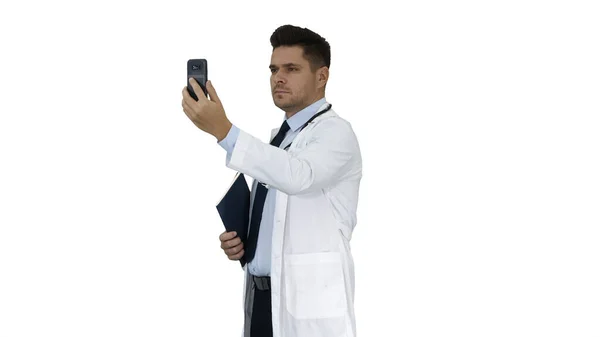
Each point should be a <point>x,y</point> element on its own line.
<point>314,285</point>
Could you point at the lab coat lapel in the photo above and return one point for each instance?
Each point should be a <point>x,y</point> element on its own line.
<point>273,134</point>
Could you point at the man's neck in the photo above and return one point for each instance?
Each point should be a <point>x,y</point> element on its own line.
<point>289,114</point>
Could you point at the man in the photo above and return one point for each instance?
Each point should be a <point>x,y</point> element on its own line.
<point>299,272</point>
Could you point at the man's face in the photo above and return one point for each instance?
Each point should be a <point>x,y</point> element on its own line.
<point>293,84</point>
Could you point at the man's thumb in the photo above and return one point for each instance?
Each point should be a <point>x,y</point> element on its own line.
<point>212,93</point>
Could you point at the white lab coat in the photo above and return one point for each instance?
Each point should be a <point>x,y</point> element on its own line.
<point>312,270</point>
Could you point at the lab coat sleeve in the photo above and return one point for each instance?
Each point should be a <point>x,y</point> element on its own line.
<point>325,159</point>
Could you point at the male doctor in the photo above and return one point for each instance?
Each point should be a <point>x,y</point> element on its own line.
<point>299,273</point>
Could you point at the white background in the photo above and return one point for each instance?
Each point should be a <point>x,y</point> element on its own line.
<point>478,123</point>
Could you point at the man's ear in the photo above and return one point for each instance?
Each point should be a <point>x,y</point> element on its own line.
<point>322,76</point>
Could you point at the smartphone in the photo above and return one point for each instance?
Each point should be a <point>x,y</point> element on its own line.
<point>198,69</point>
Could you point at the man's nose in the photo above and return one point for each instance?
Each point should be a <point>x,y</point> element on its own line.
<point>279,78</point>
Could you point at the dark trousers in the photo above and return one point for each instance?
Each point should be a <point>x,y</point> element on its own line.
<point>261,325</point>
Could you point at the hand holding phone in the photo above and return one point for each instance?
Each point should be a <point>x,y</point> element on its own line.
<point>198,69</point>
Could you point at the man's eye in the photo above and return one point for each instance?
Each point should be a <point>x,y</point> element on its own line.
<point>293,69</point>
<point>273,70</point>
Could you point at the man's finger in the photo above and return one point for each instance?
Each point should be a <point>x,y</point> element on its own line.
<point>186,96</point>
<point>226,236</point>
<point>222,236</point>
<point>197,89</point>
<point>236,256</point>
<point>231,243</point>
<point>234,250</point>
<point>212,92</point>
<point>187,109</point>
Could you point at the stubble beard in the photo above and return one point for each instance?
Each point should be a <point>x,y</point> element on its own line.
<point>287,104</point>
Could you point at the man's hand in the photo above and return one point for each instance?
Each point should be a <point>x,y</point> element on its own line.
<point>232,245</point>
<point>208,115</point>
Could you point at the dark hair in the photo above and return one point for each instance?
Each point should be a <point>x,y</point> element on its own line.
<point>316,49</point>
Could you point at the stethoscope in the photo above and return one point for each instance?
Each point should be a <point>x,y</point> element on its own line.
<point>310,120</point>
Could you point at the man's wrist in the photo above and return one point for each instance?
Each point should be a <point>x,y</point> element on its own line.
<point>222,133</point>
